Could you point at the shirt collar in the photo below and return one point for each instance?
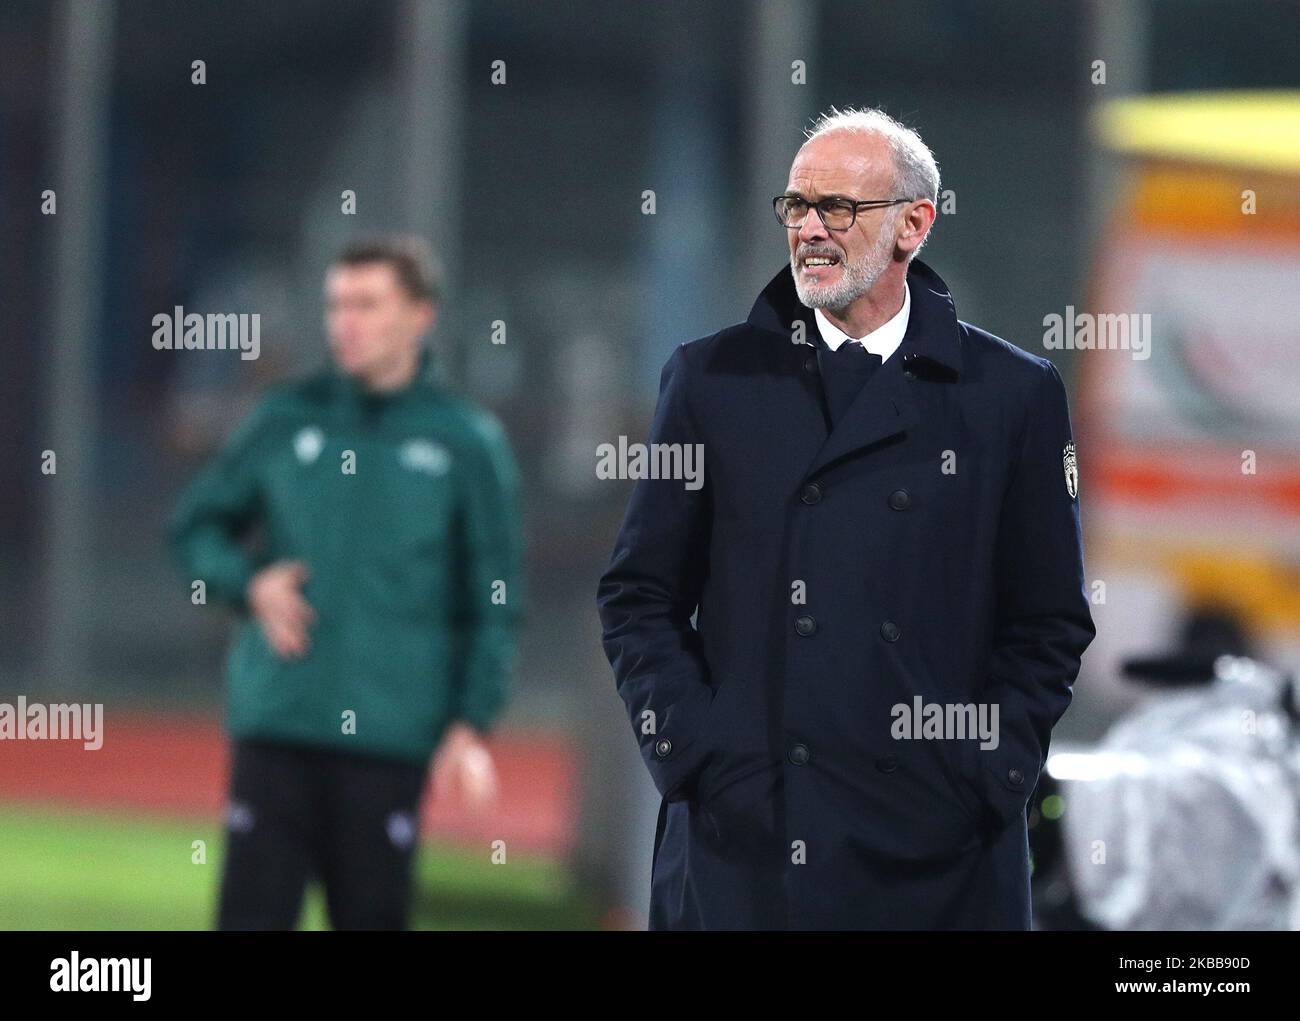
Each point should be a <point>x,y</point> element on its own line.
<point>932,343</point>
<point>883,340</point>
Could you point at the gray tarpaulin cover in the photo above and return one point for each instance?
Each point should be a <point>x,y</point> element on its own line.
<point>1187,815</point>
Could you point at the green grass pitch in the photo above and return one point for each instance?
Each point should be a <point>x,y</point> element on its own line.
<point>62,869</point>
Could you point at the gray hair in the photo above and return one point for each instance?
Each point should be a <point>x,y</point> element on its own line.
<point>916,175</point>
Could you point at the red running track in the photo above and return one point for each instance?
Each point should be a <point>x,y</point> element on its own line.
<point>176,766</point>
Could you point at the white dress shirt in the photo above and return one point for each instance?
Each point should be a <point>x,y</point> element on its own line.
<point>883,340</point>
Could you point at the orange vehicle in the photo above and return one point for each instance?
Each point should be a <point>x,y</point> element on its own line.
<point>1190,451</point>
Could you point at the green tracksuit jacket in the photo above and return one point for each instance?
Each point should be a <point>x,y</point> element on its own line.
<point>405,510</point>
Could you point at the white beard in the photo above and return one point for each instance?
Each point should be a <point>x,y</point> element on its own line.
<point>856,280</point>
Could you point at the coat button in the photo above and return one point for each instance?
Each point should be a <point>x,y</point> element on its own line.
<point>805,626</point>
<point>900,500</point>
<point>1015,777</point>
<point>799,755</point>
<point>810,364</point>
<point>812,493</point>
<point>890,631</point>
<point>909,374</point>
<point>887,763</point>
<point>662,748</point>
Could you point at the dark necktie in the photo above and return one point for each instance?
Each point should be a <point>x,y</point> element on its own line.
<point>844,373</point>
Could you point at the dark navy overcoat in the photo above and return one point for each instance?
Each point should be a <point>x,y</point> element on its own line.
<point>764,626</point>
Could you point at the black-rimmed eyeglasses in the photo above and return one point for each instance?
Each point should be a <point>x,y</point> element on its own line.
<point>837,213</point>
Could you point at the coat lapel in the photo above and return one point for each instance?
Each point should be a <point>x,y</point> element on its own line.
<point>885,407</point>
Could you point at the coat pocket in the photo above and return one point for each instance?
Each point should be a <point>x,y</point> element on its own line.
<point>710,730</point>
<point>732,731</point>
<point>965,756</point>
<point>915,807</point>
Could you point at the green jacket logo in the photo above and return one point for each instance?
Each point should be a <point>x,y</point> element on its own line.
<point>425,456</point>
<point>308,444</point>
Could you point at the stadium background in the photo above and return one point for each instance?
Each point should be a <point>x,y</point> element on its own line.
<point>226,196</point>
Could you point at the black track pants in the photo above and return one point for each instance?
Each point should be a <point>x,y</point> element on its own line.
<point>296,813</point>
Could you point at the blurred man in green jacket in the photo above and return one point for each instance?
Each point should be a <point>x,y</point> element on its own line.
<point>365,523</point>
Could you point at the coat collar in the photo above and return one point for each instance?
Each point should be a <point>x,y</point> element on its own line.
<point>887,404</point>
<point>933,336</point>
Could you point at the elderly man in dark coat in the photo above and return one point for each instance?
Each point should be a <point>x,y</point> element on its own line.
<point>844,652</point>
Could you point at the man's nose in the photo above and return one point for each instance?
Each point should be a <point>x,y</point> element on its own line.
<point>812,228</point>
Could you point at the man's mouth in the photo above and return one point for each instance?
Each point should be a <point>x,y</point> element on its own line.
<point>817,266</point>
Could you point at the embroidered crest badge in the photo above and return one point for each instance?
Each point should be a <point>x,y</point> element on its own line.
<point>1071,471</point>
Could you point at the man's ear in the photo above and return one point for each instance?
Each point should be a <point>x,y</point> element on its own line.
<point>917,219</point>
<point>428,316</point>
